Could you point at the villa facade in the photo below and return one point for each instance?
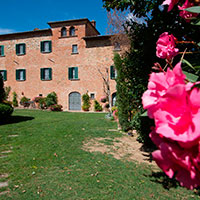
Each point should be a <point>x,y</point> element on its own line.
<point>66,59</point>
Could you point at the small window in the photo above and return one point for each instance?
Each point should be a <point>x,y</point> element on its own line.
<point>63,32</point>
<point>46,74</point>
<point>74,48</point>
<point>4,74</point>
<point>72,31</point>
<point>73,73</point>
<point>46,46</point>
<point>113,72</point>
<point>1,50</point>
<point>21,49</point>
<point>117,46</point>
<point>20,74</point>
<point>92,96</point>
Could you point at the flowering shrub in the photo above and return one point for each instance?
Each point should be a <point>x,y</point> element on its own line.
<point>56,107</point>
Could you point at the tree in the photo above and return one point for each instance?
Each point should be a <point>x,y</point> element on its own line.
<point>143,37</point>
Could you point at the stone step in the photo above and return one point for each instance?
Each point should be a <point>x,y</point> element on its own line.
<point>3,175</point>
<point>3,156</point>
<point>3,184</point>
<point>8,151</point>
<point>4,192</point>
<point>13,135</point>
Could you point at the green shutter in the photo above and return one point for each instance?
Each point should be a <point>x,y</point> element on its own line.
<point>17,49</point>
<point>112,73</point>
<point>70,73</point>
<point>76,72</point>
<point>42,46</point>
<point>50,46</point>
<point>5,75</point>
<point>42,73</point>
<point>50,74</point>
<point>24,74</point>
<point>2,50</point>
<point>17,74</point>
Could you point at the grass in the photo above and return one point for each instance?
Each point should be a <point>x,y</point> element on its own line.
<point>47,161</point>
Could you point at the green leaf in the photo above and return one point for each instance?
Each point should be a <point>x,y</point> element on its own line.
<point>194,9</point>
<point>188,63</point>
<point>191,77</point>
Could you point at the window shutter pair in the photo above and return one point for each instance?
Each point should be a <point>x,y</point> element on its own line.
<point>42,73</point>
<point>112,72</point>
<point>18,74</point>
<point>42,46</point>
<point>1,50</point>
<point>73,73</point>
<point>18,49</point>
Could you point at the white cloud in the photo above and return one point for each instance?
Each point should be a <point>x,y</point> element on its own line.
<point>6,30</point>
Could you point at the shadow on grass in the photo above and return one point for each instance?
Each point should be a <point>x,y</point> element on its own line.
<point>162,178</point>
<point>15,119</point>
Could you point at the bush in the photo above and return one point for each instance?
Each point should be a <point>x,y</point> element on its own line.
<point>97,106</point>
<point>25,101</point>
<point>5,111</point>
<point>51,99</point>
<point>15,102</point>
<point>2,91</point>
<point>7,92</point>
<point>86,102</point>
<point>37,99</point>
<point>42,103</point>
<point>56,107</point>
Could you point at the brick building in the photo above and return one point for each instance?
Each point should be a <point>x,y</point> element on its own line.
<point>66,59</point>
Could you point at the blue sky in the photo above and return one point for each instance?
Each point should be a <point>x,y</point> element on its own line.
<point>25,15</point>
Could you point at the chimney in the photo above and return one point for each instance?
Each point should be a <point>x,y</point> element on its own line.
<point>93,23</point>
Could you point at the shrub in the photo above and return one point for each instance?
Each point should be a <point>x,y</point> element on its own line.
<point>42,103</point>
<point>37,99</point>
<point>56,107</point>
<point>97,106</point>
<point>51,99</point>
<point>86,102</point>
<point>5,111</point>
<point>7,92</point>
<point>15,102</point>
<point>25,101</point>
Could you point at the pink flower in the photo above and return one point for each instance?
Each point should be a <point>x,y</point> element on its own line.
<point>171,4</point>
<point>159,84</point>
<point>185,14</point>
<point>176,161</point>
<point>166,46</point>
<point>178,116</point>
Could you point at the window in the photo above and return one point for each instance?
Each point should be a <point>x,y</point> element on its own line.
<point>21,49</point>
<point>92,96</point>
<point>73,73</point>
<point>72,31</point>
<point>45,46</point>
<point>46,74</point>
<point>4,74</point>
<point>113,72</point>
<point>20,74</point>
<point>63,32</point>
<point>117,46</point>
<point>1,50</point>
<point>74,48</point>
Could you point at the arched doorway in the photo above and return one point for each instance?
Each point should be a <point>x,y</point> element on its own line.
<point>74,101</point>
<point>114,99</point>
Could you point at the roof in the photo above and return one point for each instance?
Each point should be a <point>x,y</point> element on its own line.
<point>26,32</point>
<point>97,37</point>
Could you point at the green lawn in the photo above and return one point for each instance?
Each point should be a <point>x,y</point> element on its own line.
<point>47,161</point>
